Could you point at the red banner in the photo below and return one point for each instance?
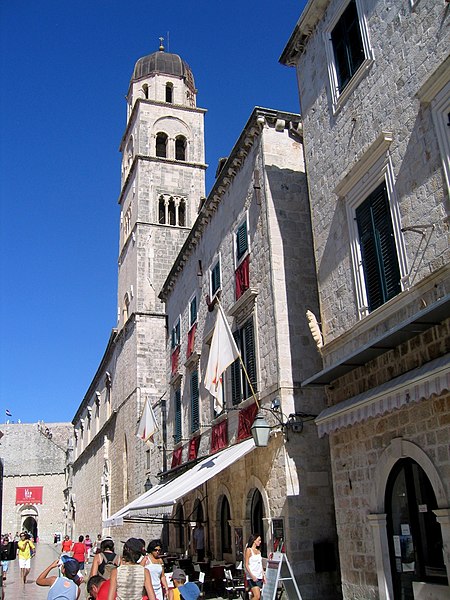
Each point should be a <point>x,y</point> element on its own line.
<point>29,495</point>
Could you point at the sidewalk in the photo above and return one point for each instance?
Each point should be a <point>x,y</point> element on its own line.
<point>13,588</point>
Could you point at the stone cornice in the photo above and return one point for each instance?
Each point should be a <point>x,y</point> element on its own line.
<point>309,18</point>
<point>259,118</point>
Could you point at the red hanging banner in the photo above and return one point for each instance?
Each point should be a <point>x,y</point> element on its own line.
<point>29,495</point>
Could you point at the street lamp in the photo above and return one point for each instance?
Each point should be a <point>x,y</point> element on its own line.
<point>148,485</point>
<point>261,429</point>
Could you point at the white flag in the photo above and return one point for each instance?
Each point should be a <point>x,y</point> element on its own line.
<point>222,353</point>
<point>147,424</point>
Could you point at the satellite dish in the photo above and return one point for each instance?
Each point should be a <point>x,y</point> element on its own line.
<point>315,329</point>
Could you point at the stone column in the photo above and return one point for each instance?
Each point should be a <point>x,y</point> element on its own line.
<point>382,560</point>
<point>443,518</point>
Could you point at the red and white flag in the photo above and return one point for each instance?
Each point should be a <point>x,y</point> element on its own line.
<point>222,353</point>
<point>147,423</point>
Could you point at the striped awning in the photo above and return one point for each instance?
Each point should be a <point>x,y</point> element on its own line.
<point>421,383</point>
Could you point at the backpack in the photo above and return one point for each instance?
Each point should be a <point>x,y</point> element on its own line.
<point>107,565</point>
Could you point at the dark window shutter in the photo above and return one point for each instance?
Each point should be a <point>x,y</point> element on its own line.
<point>241,241</point>
<point>215,278</point>
<point>249,356</point>
<point>378,251</point>
<point>195,413</point>
<point>347,45</point>
<point>193,311</point>
<point>236,386</point>
<point>177,433</point>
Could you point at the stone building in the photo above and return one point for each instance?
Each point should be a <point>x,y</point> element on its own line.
<point>163,179</point>
<point>251,250</point>
<point>374,88</point>
<point>34,478</point>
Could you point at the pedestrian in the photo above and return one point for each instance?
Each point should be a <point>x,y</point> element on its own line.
<point>4,555</point>
<point>25,547</point>
<point>198,537</point>
<point>79,552</point>
<point>96,546</point>
<point>66,545</point>
<point>181,589</point>
<point>97,588</point>
<point>88,544</point>
<point>105,560</point>
<point>130,577</point>
<point>253,566</point>
<point>155,566</point>
<point>63,587</point>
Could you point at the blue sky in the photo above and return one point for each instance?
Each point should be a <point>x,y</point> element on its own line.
<point>64,71</point>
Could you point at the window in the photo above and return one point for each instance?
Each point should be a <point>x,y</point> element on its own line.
<point>161,145</point>
<point>161,210</point>
<point>177,413</point>
<point>192,311</point>
<point>182,213</point>
<point>195,411</point>
<point>245,341</point>
<point>241,242</point>
<point>180,148</point>
<point>215,278</point>
<point>145,90</point>
<point>377,246</point>
<point>176,334</point>
<point>171,210</point>
<point>348,50</point>
<point>169,92</point>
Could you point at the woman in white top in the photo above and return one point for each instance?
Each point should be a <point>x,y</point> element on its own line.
<point>130,577</point>
<point>253,566</point>
<point>155,565</point>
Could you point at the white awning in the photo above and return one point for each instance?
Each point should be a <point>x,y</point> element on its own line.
<point>431,378</point>
<point>161,499</point>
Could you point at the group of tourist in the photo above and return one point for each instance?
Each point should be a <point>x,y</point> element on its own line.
<point>137,575</point>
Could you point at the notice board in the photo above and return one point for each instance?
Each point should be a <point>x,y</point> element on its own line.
<point>279,570</point>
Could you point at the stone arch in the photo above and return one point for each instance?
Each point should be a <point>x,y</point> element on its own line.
<point>397,449</point>
<point>224,533</point>
<point>255,485</point>
<point>28,519</point>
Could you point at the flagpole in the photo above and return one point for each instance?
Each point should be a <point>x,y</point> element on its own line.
<point>242,362</point>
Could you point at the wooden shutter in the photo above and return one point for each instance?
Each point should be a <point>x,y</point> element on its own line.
<point>215,278</point>
<point>195,413</point>
<point>241,241</point>
<point>236,385</point>
<point>378,251</point>
<point>177,432</point>
<point>249,356</point>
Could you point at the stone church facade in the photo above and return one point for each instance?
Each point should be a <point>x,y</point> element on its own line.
<point>374,82</point>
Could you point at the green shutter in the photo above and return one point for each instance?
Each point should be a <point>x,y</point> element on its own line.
<point>193,310</point>
<point>236,386</point>
<point>195,413</point>
<point>215,278</point>
<point>378,251</point>
<point>241,241</point>
<point>177,433</point>
<point>249,356</point>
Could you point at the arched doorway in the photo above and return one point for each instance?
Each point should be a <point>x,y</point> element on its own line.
<point>414,535</point>
<point>29,521</point>
<point>225,529</point>
<point>256,518</point>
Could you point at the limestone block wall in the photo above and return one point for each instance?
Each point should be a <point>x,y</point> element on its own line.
<point>386,99</point>
<point>34,454</point>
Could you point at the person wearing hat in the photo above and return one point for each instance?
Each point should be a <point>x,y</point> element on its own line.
<point>67,585</point>
<point>183,590</point>
<point>130,577</point>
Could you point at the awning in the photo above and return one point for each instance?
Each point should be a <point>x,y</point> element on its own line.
<point>161,499</point>
<point>431,378</point>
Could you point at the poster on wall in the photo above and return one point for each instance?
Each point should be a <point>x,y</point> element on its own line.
<point>278,535</point>
<point>29,495</point>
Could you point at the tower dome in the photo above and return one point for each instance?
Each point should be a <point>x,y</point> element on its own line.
<point>163,63</point>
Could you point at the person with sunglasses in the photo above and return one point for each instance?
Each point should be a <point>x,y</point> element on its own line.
<point>155,566</point>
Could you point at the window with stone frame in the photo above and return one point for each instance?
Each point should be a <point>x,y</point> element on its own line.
<point>349,53</point>
<point>169,92</point>
<point>176,334</point>
<point>215,279</point>
<point>245,341</point>
<point>180,147</point>
<point>171,210</point>
<point>195,399</point>
<point>241,259</point>
<point>161,144</point>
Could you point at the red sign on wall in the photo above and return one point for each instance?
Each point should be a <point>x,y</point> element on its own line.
<point>29,495</point>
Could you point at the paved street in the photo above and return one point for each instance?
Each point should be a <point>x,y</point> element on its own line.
<point>13,588</point>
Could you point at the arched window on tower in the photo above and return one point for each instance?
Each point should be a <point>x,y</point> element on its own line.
<point>145,90</point>
<point>180,147</point>
<point>169,92</point>
<point>161,145</point>
<point>182,214</point>
<point>161,210</point>
<point>172,219</point>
